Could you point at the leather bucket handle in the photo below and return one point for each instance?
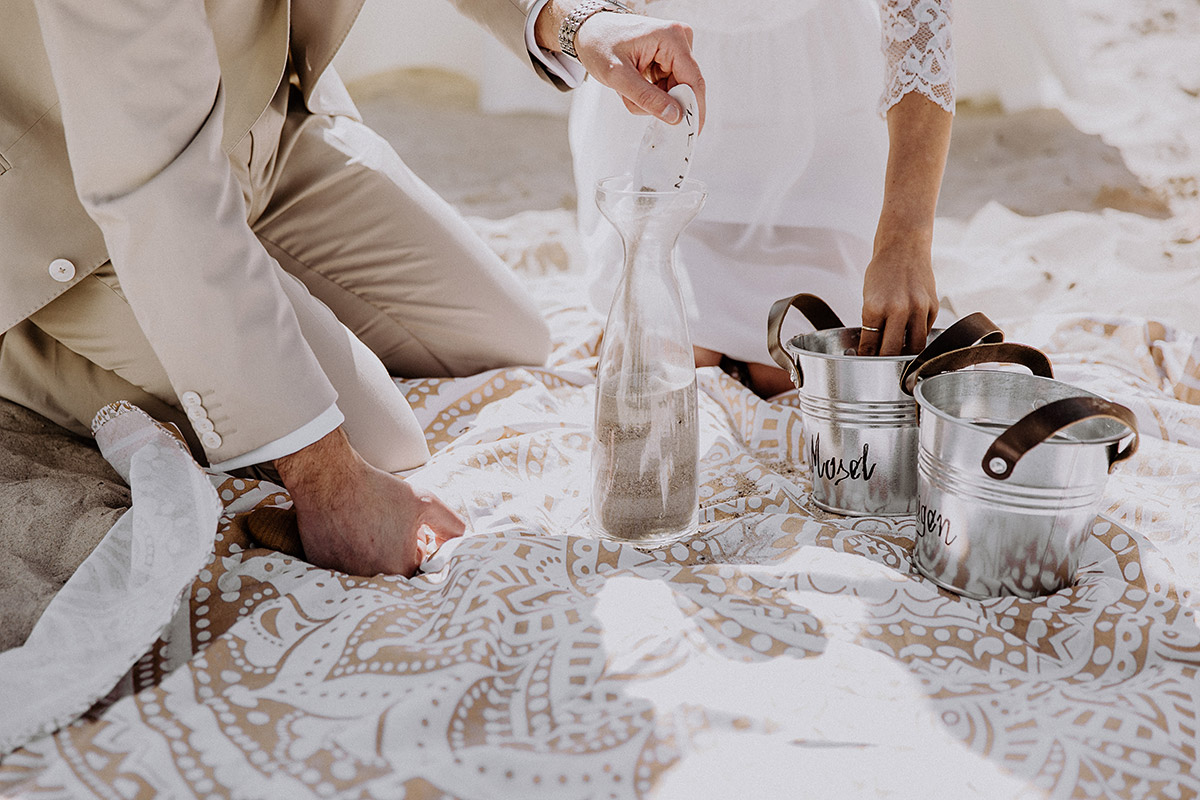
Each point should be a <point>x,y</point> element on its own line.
<point>815,310</point>
<point>1040,424</point>
<point>993,353</point>
<point>973,329</point>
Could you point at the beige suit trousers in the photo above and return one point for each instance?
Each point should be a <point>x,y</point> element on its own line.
<point>386,279</point>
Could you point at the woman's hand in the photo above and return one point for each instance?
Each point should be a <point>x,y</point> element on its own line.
<point>900,301</point>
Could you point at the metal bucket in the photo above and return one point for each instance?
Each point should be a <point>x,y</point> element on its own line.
<point>860,427</point>
<point>1011,469</point>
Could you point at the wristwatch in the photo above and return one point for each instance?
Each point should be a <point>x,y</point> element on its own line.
<point>570,24</point>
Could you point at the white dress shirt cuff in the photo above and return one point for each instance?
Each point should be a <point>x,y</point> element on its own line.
<point>326,422</point>
<point>570,71</point>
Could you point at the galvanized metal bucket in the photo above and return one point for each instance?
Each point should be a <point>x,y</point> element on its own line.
<point>1010,472</point>
<point>860,427</point>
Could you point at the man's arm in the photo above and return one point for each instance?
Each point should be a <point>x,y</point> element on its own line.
<point>639,57</point>
<point>141,94</point>
<point>140,89</point>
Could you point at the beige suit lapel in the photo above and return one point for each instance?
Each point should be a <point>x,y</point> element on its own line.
<point>252,46</point>
<point>253,41</point>
<point>318,29</point>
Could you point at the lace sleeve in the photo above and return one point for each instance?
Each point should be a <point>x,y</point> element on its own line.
<point>918,51</point>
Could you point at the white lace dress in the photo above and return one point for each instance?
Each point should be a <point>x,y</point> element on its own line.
<point>793,153</point>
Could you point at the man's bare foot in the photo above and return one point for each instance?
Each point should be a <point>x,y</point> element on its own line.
<point>356,518</point>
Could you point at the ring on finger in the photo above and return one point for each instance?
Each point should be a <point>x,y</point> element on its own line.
<point>872,330</point>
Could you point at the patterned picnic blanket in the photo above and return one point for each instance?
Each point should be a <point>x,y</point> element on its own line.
<point>781,652</point>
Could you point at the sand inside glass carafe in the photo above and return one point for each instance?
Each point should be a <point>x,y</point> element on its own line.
<point>646,440</point>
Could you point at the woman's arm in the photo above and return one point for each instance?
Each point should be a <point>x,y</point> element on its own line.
<point>900,299</point>
<point>899,291</point>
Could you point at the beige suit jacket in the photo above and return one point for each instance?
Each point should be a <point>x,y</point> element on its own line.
<point>147,99</point>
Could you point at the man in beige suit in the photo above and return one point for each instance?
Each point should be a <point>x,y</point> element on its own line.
<point>193,218</point>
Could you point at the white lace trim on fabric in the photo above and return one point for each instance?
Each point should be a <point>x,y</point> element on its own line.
<point>917,48</point>
<point>124,595</point>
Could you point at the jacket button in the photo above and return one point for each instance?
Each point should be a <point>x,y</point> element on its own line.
<point>189,399</point>
<point>196,413</point>
<point>211,441</point>
<point>62,270</point>
<point>203,426</point>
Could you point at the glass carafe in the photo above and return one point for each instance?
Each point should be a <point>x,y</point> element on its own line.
<point>645,449</point>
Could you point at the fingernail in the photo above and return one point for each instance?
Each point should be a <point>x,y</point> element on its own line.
<point>671,114</point>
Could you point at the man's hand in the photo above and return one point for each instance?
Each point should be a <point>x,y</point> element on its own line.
<point>356,518</point>
<point>639,57</point>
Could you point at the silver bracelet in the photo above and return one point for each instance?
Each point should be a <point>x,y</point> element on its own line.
<point>570,24</point>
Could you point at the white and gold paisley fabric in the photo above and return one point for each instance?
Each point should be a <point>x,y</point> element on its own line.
<point>781,652</point>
